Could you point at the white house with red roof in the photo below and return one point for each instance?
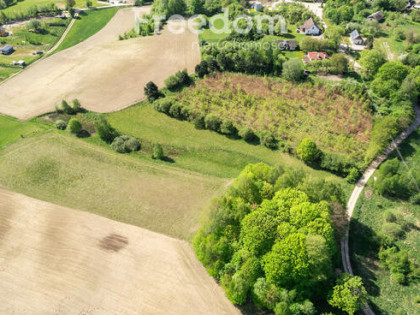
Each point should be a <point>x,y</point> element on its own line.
<point>315,55</point>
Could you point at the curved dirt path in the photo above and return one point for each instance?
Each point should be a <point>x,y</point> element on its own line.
<point>359,188</point>
<point>57,260</point>
<point>104,73</point>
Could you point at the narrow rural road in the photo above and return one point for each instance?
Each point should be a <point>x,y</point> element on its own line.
<point>359,188</point>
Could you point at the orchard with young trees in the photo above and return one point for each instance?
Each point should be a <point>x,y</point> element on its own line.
<point>271,238</point>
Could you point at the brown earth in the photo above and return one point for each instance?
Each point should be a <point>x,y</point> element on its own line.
<point>56,260</point>
<point>104,73</point>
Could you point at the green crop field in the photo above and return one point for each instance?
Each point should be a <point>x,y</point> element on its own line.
<point>88,24</point>
<point>385,295</point>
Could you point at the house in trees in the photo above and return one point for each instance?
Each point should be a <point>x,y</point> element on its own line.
<point>310,28</point>
<point>287,44</point>
<point>375,16</point>
<point>355,38</point>
<point>315,55</point>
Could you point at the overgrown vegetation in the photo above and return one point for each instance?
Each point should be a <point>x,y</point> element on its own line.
<point>271,237</point>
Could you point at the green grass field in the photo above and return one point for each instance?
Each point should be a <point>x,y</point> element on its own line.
<point>213,37</point>
<point>88,24</point>
<point>68,171</point>
<point>385,295</point>
<point>12,129</point>
<point>163,196</point>
<point>27,4</point>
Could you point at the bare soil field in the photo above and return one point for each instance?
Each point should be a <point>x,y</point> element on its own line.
<point>104,73</point>
<point>56,260</point>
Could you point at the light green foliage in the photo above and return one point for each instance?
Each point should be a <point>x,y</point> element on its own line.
<point>389,78</point>
<point>391,182</point>
<point>66,108</point>
<point>371,60</point>
<point>158,151</point>
<point>74,126</point>
<point>349,294</point>
<point>308,151</point>
<point>125,144</point>
<point>293,70</point>
<point>397,261</point>
<point>290,236</point>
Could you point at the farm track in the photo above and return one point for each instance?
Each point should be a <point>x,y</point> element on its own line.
<point>359,188</point>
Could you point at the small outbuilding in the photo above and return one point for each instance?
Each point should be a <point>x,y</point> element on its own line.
<point>287,44</point>
<point>375,16</point>
<point>310,28</point>
<point>7,50</point>
<point>355,38</point>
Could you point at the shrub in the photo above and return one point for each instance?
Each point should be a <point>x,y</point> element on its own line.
<point>268,140</point>
<point>390,216</point>
<point>202,69</point>
<point>308,151</point>
<point>353,176</point>
<point>164,105</point>
<point>178,80</point>
<point>61,124</point>
<point>77,107</point>
<point>151,91</point>
<point>248,135</point>
<point>415,199</point>
<point>212,122</point>
<point>417,299</point>
<point>198,120</point>
<point>293,70</point>
<point>125,144</point>
<point>157,152</point>
<point>104,130</point>
<point>398,277</point>
<point>74,126</point>
<point>227,128</point>
<point>393,229</point>
<point>66,108</point>
<point>177,111</point>
<point>336,163</point>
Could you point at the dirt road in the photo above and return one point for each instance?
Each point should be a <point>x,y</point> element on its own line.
<point>361,185</point>
<point>56,260</point>
<point>104,73</point>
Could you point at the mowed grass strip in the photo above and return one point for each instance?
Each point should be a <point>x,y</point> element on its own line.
<point>89,23</point>
<point>77,174</point>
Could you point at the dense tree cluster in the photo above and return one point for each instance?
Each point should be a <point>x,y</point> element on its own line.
<point>270,241</point>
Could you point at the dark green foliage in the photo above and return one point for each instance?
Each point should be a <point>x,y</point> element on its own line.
<point>198,120</point>
<point>178,80</point>
<point>353,175</point>
<point>104,130</point>
<point>248,135</point>
<point>164,105</point>
<point>77,107</point>
<point>398,263</point>
<point>61,124</point>
<point>151,91</point>
<point>337,164</point>
<point>125,144</point>
<point>415,199</point>
<point>268,140</point>
<point>202,69</point>
<point>212,122</point>
<point>390,182</point>
<point>276,246</point>
<point>158,152</point>
<point>227,128</point>
<point>66,108</point>
<point>74,126</point>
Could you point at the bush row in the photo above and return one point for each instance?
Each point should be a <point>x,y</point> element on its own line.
<point>210,121</point>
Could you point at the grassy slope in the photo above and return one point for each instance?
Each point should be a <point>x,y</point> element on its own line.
<point>12,129</point>
<point>199,150</point>
<point>88,24</point>
<point>386,295</point>
<point>67,171</point>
